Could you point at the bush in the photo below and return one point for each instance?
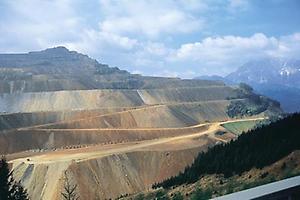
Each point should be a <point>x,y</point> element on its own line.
<point>177,196</point>
<point>161,195</point>
<point>140,197</point>
<point>201,194</point>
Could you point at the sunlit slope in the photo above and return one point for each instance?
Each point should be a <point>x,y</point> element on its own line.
<point>154,116</point>
<point>93,127</point>
<point>201,111</point>
<point>22,140</point>
<point>189,94</point>
<point>108,177</point>
<point>69,100</point>
<point>93,99</point>
<point>109,170</point>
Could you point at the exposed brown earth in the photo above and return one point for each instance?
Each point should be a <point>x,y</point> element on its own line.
<point>110,170</point>
<point>29,119</point>
<point>95,99</point>
<point>128,140</point>
<point>94,127</point>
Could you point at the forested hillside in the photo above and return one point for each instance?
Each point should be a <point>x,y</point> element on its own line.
<point>255,149</point>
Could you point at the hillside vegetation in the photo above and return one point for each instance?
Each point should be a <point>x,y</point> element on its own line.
<point>215,185</point>
<point>253,105</point>
<point>254,149</point>
<point>243,126</point>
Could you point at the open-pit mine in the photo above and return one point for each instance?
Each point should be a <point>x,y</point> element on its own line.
<point>111,132</point>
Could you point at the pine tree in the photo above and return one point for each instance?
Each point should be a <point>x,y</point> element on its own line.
<point>10,189</point>
<point>18,192</point>
<point>4,179</point>
<point>69,190</point>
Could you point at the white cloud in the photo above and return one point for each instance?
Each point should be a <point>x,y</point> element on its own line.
<point>149,18</point>
<point>137,35</point>
<point>288,46</point>
<point>36,24</point>
<point>237,5</point>
<point>98,40</point>
<point>224,54</point>
<point>225,47</point>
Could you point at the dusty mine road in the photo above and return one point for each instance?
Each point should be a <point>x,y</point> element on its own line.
<point>98,151</point>
<point>112,159</point>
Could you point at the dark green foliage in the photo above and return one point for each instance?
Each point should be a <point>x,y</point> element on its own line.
<point>9,189</point>
<point>140,197</point>
<point>4,179</point>
<point>161,195</point>
<point>201,194</point>
<point>69,190</point>
<point>237,108</point>
<point>255,183</point>
<point>254,105</point>
<point>177,196</point>
<point>257,148</point>
<point>18,192</point>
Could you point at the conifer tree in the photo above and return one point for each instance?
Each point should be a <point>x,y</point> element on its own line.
<point>69,189</point>
<point>9,188</point>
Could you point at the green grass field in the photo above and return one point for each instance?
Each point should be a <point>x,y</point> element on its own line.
<point>240,127</point>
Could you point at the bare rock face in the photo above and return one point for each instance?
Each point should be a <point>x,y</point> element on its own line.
<point>58,69</point>
<point>51,70</point>
<point>48,61</point>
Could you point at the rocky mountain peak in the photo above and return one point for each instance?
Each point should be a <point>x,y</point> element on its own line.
<point>59,50</point>
<point>273,70</point>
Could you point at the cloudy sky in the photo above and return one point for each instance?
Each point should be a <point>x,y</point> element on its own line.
<point>184,38</point>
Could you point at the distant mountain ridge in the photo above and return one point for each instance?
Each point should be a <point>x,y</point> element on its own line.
<point>273,77</point>
<point>54,60</point>
<point>269,71</point>
<point>57,69</point>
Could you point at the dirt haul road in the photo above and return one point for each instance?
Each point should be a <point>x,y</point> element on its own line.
<point>92,152</point>
<point>128,167</point>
